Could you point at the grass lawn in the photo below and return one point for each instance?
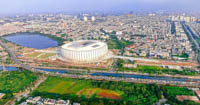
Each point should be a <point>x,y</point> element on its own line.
<point>112,44</point>
<point>33,55</point>
<point>40,55</point>
<point>118,44</point>
<point>145,69</point>
<point>46,55</point>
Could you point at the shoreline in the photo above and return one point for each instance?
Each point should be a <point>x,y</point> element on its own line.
<point>53,37</point>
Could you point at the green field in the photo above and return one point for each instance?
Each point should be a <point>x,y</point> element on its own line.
<point>92,92</point>
<point>159,70</point>
<point>153,69</point>
<point>118,44</point>
<point>96,92</point>
<point>70,86</point>
<point>14,81</point>
<point>115,43</point>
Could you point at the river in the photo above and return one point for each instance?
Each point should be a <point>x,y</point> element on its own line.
<point>135,76</point>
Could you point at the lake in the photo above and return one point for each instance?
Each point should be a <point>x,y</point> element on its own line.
<point>32,40</point>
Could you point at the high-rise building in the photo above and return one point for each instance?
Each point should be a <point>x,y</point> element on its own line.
<point>198,20</point>
<point>181,18</point>
<point>93,18</point>
<point>187,19</point>
<point>194,19</point>
<point>85,18</point>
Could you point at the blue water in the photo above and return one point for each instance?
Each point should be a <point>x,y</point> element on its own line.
<point>31,40</point>
<point>54,70</point>
<point>9,68</point>
<point>144,77</point>
<point>115,75</point>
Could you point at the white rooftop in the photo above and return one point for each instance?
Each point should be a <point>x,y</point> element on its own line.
<point>83,45</point>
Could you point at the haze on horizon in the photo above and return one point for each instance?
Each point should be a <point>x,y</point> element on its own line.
<point>40,6</point>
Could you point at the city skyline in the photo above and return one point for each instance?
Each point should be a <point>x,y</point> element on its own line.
<point>50,6</point>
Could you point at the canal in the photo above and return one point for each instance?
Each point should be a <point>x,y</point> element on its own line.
<point>135,76</point>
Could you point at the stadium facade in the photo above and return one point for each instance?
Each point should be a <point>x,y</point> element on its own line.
<point>84,51</point>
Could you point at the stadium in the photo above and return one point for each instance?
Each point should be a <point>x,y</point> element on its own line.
<point>84,51</point>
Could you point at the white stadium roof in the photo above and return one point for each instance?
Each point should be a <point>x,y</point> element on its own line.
<point>83,45</point>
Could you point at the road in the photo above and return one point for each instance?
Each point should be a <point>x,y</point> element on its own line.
<point>189,32</point>
<point>138,59</point>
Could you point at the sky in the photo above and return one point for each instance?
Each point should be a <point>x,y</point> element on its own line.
<point>40,6</point>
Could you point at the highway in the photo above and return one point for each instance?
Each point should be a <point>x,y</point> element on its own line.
<point>188,31</point>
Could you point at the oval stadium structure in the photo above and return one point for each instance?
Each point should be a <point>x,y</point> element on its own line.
<point>84,51</point>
